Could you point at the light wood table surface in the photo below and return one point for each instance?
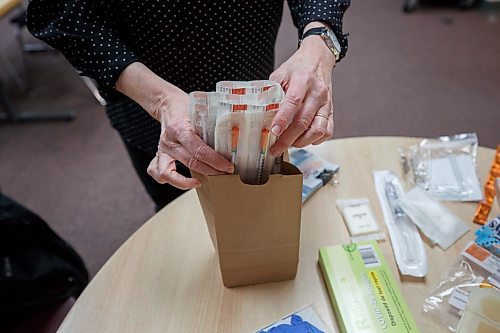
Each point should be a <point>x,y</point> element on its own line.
<point>166,278</point>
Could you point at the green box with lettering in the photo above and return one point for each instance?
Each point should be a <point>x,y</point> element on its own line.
<point>365,297</point>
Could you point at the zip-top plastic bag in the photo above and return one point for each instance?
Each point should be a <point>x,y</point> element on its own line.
<point>444,166</point>
<point>475,268</point>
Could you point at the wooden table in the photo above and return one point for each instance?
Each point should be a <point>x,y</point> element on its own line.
<point>166,278</point>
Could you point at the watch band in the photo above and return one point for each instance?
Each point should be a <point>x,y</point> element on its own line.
<point>313,32</point>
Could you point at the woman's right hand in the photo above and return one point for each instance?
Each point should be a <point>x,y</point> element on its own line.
<point>178,141</point>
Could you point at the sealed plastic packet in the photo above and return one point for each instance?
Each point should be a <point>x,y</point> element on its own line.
<point>445,166</point>
<point>492,185</point>
<point>205,107</point>
<point>203,113</point>
<point>259,161</point>
<point>244,87</point>
<point>231,133</point>
<point>447,303</point>
<point>481,314</point>
<point>235,120</point>
<point>439,224</point>
<point>406,242</point>
<point>266,162</point>
<point>251,124</point>
<point>360,221</point>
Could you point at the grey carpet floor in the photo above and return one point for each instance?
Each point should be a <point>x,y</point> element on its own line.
<point>434,72</point>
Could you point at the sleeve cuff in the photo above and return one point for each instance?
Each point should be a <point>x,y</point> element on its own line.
<point>112,70</point>
<point>332,17</point>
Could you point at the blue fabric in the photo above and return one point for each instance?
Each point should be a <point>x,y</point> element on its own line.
<point>297,326</point>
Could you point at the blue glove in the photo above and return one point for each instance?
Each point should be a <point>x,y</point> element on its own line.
<point>297,326</point>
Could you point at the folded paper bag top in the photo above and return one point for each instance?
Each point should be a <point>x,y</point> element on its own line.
<point>254,228</point>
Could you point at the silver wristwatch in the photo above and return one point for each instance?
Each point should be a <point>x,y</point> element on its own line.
<point>328,36</point>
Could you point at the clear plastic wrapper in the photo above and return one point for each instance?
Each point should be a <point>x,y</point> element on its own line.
<point>406,242</point>
<point>445,166</point>
<point>481,314</point>
<point>439,224</point>
<point>250,151</point>
<point>448,301</point>
<point>317,172</point>
<point>360,220</point>
<point>205,107</point>
<point>245,87</point>
<point>235,121</point>
<point>231,132</point>
<point>203,113</point>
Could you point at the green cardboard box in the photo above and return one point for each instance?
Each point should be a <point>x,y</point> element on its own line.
<point>363,292</point>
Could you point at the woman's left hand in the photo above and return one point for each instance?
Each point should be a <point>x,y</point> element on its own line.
<point>306,115</point>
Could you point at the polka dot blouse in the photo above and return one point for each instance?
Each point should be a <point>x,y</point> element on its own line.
<point>190,43</point>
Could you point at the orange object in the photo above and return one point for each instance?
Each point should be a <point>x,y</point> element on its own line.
<point>272,107</point>
<point>238,91</point>
<point>478,252</point>
<point>239,107</point>
<point>264,139</point>
<point>484,207</point>
<point>235,133</point>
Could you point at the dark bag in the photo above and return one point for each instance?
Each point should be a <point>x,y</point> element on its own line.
<point>37,267</point>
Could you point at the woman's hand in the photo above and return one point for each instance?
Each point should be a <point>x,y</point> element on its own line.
<point>306,115</point>
<point>179,142</point>
<point>170,106</point>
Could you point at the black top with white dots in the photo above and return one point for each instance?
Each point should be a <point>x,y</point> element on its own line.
<point>191,44</point>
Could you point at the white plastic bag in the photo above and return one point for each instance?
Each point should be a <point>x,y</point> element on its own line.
<point>439,224</point>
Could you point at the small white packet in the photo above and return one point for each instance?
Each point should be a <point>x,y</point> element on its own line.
<point>436,222</point>
<point>360,221</point>
<point>407,244</point>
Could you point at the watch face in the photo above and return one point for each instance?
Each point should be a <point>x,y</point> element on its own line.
<point>334,40</point>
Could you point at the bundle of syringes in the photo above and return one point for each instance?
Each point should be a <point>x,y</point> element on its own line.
<point>236,120</point>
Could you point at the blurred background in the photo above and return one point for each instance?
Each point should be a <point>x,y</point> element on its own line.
<point>431,72</point>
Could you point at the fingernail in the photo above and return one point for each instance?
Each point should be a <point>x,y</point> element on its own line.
<point>230,169</point>
<point>198,185</point>
<point>276,130</point>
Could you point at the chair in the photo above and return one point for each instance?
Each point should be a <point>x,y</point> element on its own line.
<point>42,320</point>
<point>11,113</point>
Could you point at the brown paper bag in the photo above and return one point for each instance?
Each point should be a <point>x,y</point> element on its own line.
<point>254,228</point>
